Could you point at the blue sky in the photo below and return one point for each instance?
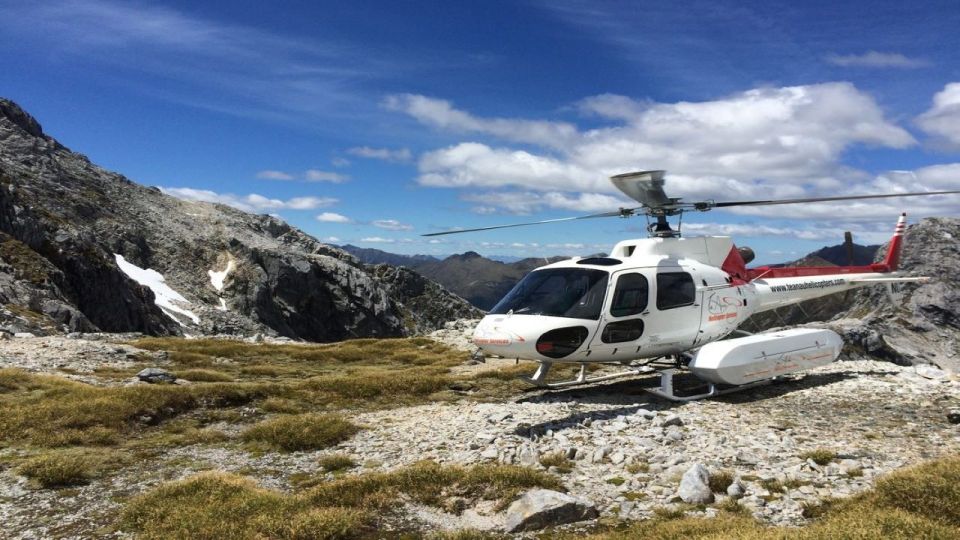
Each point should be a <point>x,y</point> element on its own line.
<point>374,122</point>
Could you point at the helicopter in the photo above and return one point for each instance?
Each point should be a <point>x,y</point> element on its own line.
<point>672,301</point>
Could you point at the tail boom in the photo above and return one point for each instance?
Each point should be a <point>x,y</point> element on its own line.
<point>783,286</point>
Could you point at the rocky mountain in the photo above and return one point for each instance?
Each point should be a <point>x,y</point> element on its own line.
<point>85,249</point>
<point>918,323</point>
<point>377,256</point>
<point>838,254</point>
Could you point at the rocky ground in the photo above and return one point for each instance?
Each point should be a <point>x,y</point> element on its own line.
<point>629,449</point>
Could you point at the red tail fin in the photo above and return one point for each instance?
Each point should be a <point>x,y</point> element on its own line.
<point>892,260</point>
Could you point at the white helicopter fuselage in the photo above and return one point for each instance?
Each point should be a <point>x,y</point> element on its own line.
<point>650,297</point>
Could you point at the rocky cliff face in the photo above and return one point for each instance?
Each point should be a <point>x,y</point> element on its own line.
<point>63,221</point>
<point>920,324</point>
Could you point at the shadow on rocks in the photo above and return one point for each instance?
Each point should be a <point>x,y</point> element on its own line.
<point>631,394</point>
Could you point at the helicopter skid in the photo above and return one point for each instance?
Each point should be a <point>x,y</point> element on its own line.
<point>666,389</point>
<point>538,378</point>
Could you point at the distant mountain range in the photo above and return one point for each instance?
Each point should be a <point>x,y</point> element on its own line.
<point>480,280</point>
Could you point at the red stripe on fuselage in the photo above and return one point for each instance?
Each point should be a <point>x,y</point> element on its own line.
<point>762,272</point>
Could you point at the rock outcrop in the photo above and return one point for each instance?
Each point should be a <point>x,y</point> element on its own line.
<point>917,323</point>
<point>64,221</point>
<point>540,508</point>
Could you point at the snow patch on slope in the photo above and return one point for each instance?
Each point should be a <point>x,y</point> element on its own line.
<point>164,295</point>
<point>217,278</point>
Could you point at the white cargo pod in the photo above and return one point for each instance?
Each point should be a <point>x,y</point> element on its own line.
<point>764,356</point>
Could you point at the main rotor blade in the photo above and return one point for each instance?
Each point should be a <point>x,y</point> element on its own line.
<point>708,205</point>
<point>645,187</point>
<point>622,212</point>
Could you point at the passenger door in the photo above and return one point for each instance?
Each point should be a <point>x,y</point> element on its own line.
<point>674,320</point>
<point>621,326</point>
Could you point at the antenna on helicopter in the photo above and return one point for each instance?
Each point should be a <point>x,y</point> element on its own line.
<point>646,187</point>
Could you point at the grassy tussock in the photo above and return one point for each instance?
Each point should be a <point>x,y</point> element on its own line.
<point>336,463</point>
<point>65,468</point>
<point>558,460</point>
<point>57,471</point>
<point>720,481</point>
<point>820,456</point>
<point>203,375</point>
<point>931,490</point>
<point>293,433</point>
<point>52,411</point>
<point>429,483</point>
<point>217,505</point>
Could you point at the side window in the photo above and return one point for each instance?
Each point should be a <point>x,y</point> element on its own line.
<point>620,331</point>
<point>675,289</point>
<point>630,296</point>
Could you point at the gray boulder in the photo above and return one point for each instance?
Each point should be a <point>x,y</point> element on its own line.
<point>156,376</point>
<point>735,489</point>
<point>695,485</point>
<point>541,508</point>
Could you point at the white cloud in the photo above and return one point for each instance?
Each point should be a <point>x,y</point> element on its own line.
<point>612,106</point>
<point>333,217</point>
<point>310,175</point>
<point>274,175</point>
<point>874,59</point>
<point>331,240</point>
<point>314,175</point>
<point>391,225</point>
<point>441,114</point>
<point>761,143</point>
<point>340,162</point>
<point>253,202</point>
<point>385,154</point>
<point>377,240</point>
<point>943,118</point>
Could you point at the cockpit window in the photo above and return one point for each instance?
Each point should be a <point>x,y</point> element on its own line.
<point>558,292</point>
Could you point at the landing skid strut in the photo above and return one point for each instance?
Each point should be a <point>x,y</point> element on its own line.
<point>665,390</point>
<point>539,376</point>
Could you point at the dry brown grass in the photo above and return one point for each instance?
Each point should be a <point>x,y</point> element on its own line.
<point>293,433</point>
<point>558,460</point>
<point>336,463</point>
<point>820,456</point>
<point>358,374</point>
<point>217,505</point>
<point>720,481</point>
<point>72,467</point>
<point>203,375</point>
<point>48,410</point>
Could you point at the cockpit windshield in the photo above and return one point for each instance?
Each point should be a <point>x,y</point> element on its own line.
<point>558,292</point>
